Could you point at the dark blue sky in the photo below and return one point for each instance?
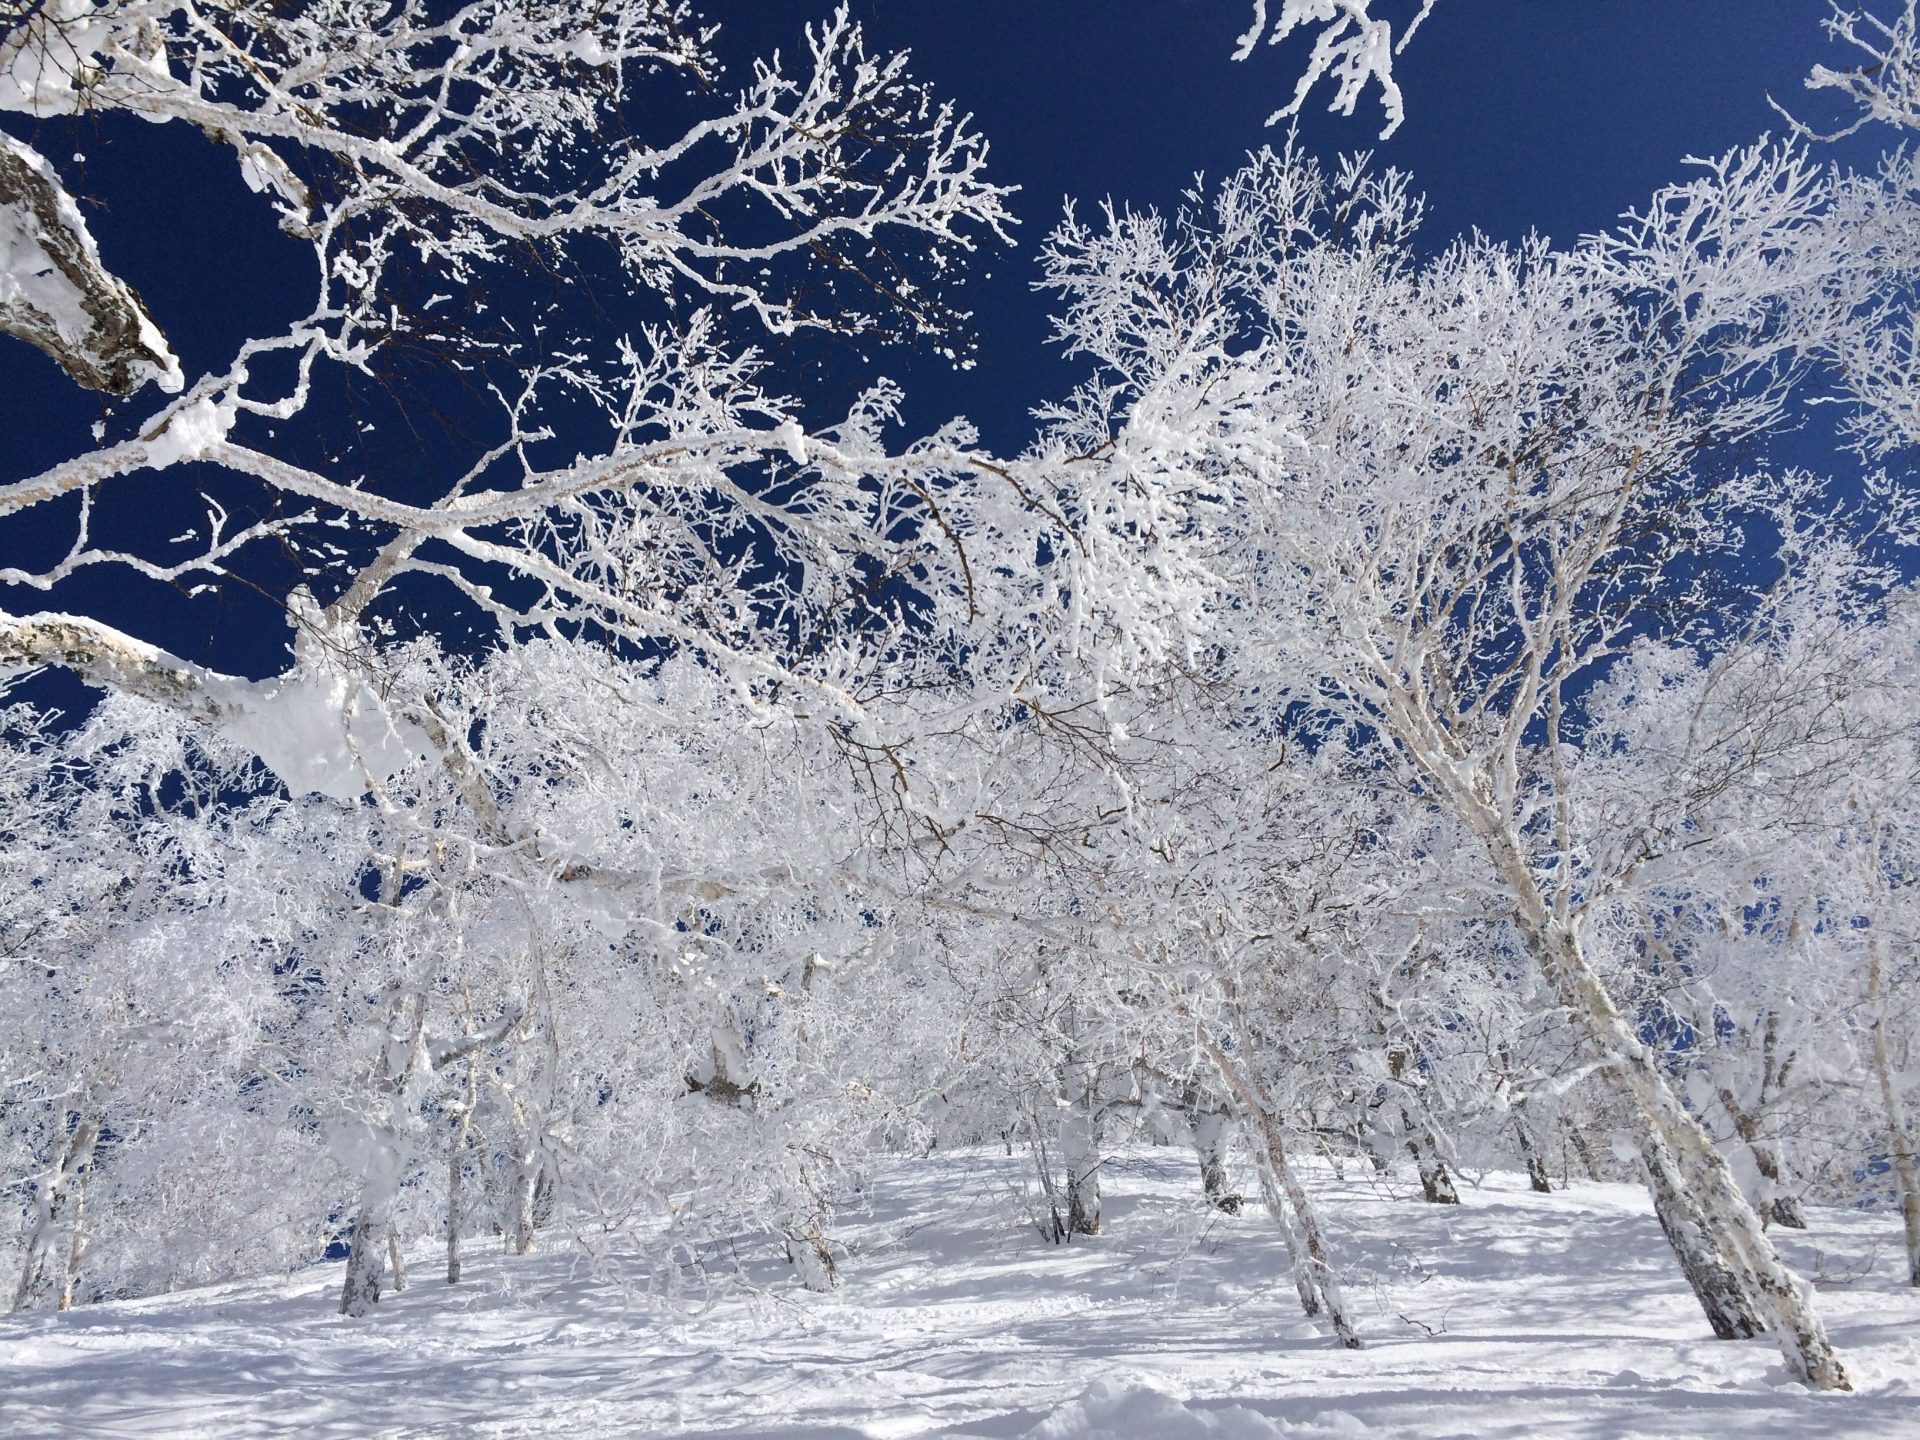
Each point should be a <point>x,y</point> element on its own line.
<point>1521,114</point>
<point>1549,115</point>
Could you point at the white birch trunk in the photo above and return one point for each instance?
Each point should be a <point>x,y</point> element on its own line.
<point>1212,1132</point>
<point>1080,1139</point>
<point>1721,1293</point>
<point>1900,1144</point>
<point>396,1260</point>
<point>1436,1181</point>
<point>1537,1177</point>
<point>1310,1251</point>
<point>360,1291</point>
<point>457,1173</point>
<point>367,1243</point>
<point>1781,1300</point>
<point>807,1249</point>
<point>57,1210</point>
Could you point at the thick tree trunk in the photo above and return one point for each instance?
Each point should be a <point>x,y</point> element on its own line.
<point>1900,1139</point>
<point>1729,1228</point>
<point>87,319</point>
<point>1719,1290</point>
<point>1530,1152</point>
<point>1211,1133</point>
<point>1436,1181</point>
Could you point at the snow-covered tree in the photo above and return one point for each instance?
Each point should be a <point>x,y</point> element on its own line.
<point>1434,498</point>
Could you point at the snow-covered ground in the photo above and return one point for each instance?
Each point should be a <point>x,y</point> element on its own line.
<point>1514,1315</point>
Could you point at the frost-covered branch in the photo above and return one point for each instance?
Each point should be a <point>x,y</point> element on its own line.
<point>1352,48</point>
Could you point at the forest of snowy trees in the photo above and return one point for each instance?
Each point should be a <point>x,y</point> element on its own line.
<point>1411,701</point>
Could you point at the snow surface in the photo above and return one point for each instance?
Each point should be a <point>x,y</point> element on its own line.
<point>1513,1315</point>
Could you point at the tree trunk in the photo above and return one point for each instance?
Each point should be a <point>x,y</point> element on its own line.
<point>360,1292</point>
<point>1270,1151</point>
<point>1777,1206</point>
<point>457,1153</point>
<point>1718,1289</point>
<point>1272,1147</point>
<point>1576,1137</point>
<point>1771,1200</point>
<point>1210,1137</point>
<point>77,1244</point>
<point>58,1207</point>
<point>1530,1152</point>
<point>456,1186</point>
<point>1296,1254</point>
<point>807,1249</point>
<point>519,1237</point>
<point>1080,1137</point>
<point>399,1050</point>
<point>1700,1173</point>
<point>1900,1143</point>
<point>1436,1181</point>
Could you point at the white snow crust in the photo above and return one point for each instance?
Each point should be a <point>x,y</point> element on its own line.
<point>1510,1317</point>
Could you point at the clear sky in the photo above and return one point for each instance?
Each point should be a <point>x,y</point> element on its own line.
<point>1549,115</point>
<point>1521,114</point>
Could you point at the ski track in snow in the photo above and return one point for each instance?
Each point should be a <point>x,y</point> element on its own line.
<point>1559,1315</point>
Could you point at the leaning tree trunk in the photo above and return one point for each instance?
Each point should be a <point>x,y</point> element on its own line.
<point>1296,1252</point>
<point>1537,1176</point>
<point>1720,1292</point>
<point>807,1250</point>
<point>1576,1139</point>
<point>1772,1199</point>
<point>1436,1181</point>
<point>1900,1142</point>
<point>1270,1150</point>
<point>1727,1223</point>
<point>1529,1143</point>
